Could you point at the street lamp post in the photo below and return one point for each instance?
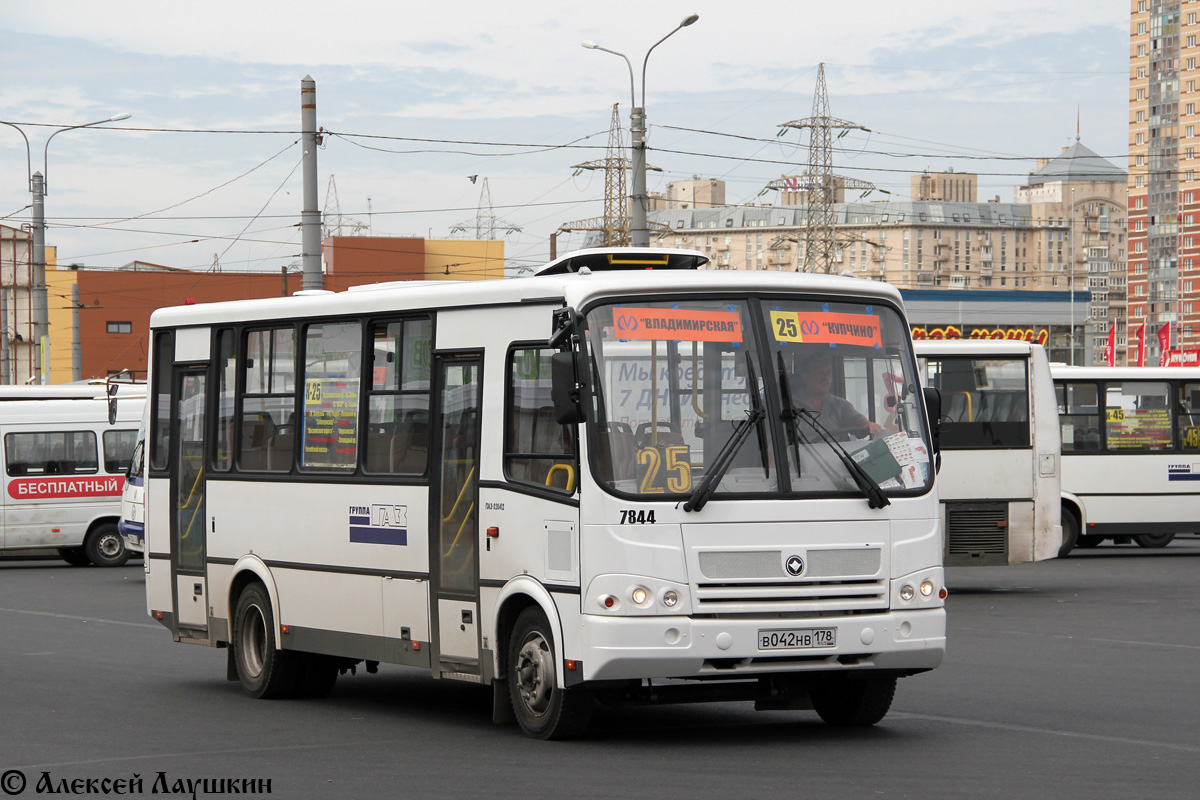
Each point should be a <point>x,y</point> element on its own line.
<point>37,288</point>
<point>639,229</point>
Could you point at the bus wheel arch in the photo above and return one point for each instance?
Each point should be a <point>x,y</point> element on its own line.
<point>514,598</point>
<point>247,570</point>
<point>104,545</point>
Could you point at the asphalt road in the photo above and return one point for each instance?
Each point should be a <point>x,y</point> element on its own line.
<point>1074,678</point>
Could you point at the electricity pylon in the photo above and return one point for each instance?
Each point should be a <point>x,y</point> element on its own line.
<point>613,227</point>
<point>819,182</point>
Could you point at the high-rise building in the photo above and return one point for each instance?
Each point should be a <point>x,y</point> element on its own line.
<point>1164,239</point>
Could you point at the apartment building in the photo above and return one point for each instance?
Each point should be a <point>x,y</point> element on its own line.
<point>1164,195</point>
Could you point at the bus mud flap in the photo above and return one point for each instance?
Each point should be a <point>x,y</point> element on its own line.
<point>502,712</point>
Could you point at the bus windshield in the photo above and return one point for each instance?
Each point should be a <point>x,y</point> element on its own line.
<point>677,383</point>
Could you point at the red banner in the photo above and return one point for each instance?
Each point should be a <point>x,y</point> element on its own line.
<point>1164,343</point>
<point>50,488</point>
<point>1141,345</point>
<point>1181,358</point>
<point>1110,351</point>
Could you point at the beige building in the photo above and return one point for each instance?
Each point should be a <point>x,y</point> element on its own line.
<point>1079,201</point>
<point>696,193</point>
<point>908,244</point>
<point>946,187</point>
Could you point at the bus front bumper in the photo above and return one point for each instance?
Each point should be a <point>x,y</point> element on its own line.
<point>620,648</point>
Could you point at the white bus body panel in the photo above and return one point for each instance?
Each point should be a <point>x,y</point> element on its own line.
<point>1133,491</point>
<point>1027,479</point>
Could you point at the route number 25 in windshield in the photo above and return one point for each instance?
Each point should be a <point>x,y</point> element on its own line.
<point>677,470</point>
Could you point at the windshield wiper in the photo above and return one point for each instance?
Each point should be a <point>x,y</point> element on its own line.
<point>720,464</point>
<point>866,484</point>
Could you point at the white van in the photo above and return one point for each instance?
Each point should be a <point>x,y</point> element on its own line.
<point>66,450</point>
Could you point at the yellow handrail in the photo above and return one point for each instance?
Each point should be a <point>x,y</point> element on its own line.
<point>461,493</point>
<point>570,476</point>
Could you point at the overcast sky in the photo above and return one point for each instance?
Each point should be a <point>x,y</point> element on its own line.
<point>419,96</point>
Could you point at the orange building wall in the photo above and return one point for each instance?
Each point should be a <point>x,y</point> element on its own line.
<point>109,296</point>
<point>355,260</point>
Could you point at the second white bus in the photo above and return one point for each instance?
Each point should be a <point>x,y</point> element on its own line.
<point>999,484</point>
<point>1131,453</point>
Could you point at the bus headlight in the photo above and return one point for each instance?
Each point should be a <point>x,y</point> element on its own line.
<point>906,592</point>
<point>639,596</point>
<point>927,588</point>
<point>670,599</point>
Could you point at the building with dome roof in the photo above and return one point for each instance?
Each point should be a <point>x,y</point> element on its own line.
<point>1081,200</point>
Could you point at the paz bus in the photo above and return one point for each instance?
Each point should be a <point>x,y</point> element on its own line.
<point>1000,450</point>
<point>601,482</point>
<point>66,449</point>
<point>1130,442</point>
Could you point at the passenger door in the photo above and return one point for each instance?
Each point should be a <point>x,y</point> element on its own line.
<point>454,516</point>
<point>189,520</point>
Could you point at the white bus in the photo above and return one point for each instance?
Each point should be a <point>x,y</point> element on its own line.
<point>999,484</point>
<point>604,481</point>
<point>1131,453</point>
<point>66,449</point>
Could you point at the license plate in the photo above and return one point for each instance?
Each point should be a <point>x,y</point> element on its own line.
<point>797,638</point>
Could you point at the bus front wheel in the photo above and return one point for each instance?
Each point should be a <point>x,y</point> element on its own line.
<point>542,708</point>
<point>843,701</point>
<point>264,670</point>
<point>1153,539</point>
<point>105,547</point>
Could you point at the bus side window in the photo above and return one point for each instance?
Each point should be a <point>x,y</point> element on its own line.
<point>1079,417</point>
<point>538,450</point>
<point>397,431</point>
<point>1189,417</point>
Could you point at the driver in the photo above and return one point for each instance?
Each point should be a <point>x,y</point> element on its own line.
<point>837,413</point>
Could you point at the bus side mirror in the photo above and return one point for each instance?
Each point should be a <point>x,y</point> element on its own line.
<point>933,407</point>
<point>564,389</point>
<point>566,367</point>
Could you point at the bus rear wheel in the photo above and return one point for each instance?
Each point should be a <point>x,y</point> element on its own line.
<point>542,708</point>
<point>1153,539</point>
<point>264,671</point>
<point>105,547</point>
<point>845,702</point>
<point>1070,529</point>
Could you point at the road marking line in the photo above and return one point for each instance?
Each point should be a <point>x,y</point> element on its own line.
<point>1134,643</point>
<point>79,619</point>
<point>1006,726</point>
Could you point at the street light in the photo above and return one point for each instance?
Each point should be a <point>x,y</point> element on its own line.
<point>639,230</point>
<point>37,186</point>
